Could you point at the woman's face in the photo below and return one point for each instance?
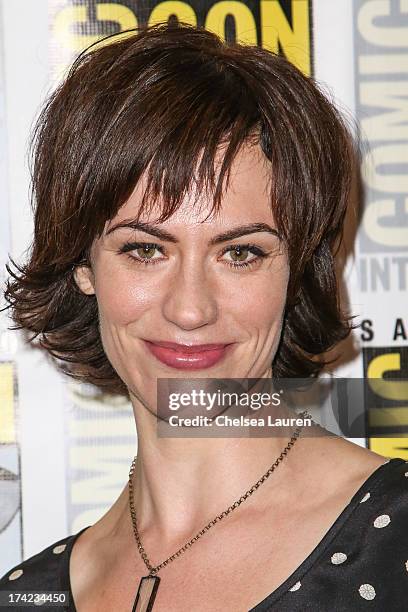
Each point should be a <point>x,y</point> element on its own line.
<point>188,282</point>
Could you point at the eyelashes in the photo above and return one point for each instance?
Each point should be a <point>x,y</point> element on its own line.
<point>129,247</point>
<point>147,247</point>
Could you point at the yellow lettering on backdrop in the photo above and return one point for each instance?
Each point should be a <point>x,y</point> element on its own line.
<point>388,447</point>
<point>72,15</point>
<point>294,39</point>
<point>245,26</point>
<point>7,424</point>
<point>392,390</point>
<point>181,10</point>
<point>387,417</point>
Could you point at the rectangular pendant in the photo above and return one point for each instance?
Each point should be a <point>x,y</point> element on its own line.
<point>146,594</point>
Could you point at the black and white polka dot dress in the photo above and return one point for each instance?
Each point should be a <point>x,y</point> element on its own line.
<point>361,563</point>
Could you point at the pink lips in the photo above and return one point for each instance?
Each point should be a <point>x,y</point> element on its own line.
<point>185,357</point>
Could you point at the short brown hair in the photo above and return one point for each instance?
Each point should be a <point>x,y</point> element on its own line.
<point>161,101</point>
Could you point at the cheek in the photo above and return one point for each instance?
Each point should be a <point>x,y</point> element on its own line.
<point>122,297</point>
<point>265,309</point>
<point>262,301</point>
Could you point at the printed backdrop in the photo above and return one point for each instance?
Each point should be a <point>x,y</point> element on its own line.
<point>65,449</point>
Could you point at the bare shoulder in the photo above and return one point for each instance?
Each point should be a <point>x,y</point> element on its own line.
<point>337,465</point>
<point>357,457</point>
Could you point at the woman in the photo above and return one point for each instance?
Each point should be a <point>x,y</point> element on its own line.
<point>189,197</point>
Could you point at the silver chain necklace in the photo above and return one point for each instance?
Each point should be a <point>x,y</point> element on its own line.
<point>148,585</point>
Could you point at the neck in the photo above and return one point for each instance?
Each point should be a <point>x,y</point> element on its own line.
<point>180,484</point>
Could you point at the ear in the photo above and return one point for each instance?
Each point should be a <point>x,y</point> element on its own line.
<point>85,280</point>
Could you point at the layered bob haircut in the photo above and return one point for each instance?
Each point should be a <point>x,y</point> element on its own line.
<point>161,102</point>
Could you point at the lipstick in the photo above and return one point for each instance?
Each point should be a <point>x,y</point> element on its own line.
<point>187,357</point>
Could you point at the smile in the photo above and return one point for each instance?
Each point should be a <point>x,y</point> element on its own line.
<point>183,357</point>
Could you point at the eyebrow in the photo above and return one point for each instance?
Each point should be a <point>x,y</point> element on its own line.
<point>235,232</point>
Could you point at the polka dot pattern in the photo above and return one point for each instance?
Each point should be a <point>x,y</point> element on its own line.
<point>367,591</point>
<point>366,496</point>
<point>16,574</point>
<point>57,550</point>
<point>296,586</point>
<point>40,602</point>
<point>382,521</point>
<point>338,558</point>
<point>353,585</point>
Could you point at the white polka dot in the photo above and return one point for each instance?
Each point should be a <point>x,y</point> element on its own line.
<point>367,591</point>
<point>338,558</point>
<point>406,474</point>
<point>382,521</point>
<point>59,549</point>
<point>366,496</point>
<point>40,602</point>
<point>16,574</point>
<point>296,586</point>
<point>406,565</point>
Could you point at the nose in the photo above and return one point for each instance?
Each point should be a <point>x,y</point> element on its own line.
<point>191,300</point>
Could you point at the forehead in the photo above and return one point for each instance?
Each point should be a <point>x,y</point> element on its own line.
<point>246,197</point>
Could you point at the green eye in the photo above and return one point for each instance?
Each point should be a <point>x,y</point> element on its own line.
<point>239,253</point>
<point>143,252</point>
<point>146,251</point>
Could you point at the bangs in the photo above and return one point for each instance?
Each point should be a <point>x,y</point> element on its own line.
<point>172,128</point>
